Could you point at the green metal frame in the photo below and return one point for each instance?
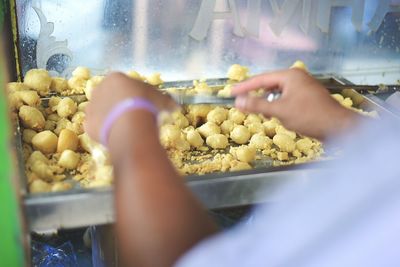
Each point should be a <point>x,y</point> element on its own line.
<point>11,227</point>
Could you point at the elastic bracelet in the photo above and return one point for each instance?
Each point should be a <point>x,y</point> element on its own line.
<point>120,109</point>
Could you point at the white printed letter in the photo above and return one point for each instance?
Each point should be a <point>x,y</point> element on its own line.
<point>207,15</point>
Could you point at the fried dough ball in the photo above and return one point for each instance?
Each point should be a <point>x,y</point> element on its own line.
<point>255,127</point>
<point>284,142</point>
<point>17,86</point>
<point>59,85</point>
<point>182,144</point>
<point>77,84</point>
<point>60,186</point>
<point>282,130</point>
<point>66,107</point>
<point>282,156</point>
<point>239,166</point>
<point>62,123</point>
<point>208,129</point>
<point>240,134</point>
<point>169,135</point>
<point>202,88</point>
<point>217,141</point>
<point>82,106</point>
<point>252,118</point>
<point>227,127</point>
<point>36,156</point>
<point>180,120</point>
<point>85,142</point>
<point>32,118</point>
<point>194,138</point>
<point>82,72</point>
<point>91,84</point>
<point>39,186</point>
<point>299,65</point>
<point>260,141</point>
<point>79,117</point>
<point>304,145</point>
<point>338,97</point>
<point>135,75</point>
<point>69,159</point>
<point>27,135</point>
<point>45,141</point>
<point>68,140</point>
<point>199,110</point>
<point>29,97</point>
<point>236,116</point>
<point>217,115</point>
<point>154,79</point>
<point>226,92</point>
<point>238,73</point>
<point>270,126</point>
<point>53,102</point>
<point>14,101</point>
<point>50,125</point>
<point>244,153</point>
<point>347,102</point>
<point>39,80</point>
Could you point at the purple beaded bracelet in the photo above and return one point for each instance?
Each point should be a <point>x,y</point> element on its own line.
<point>120,109</point>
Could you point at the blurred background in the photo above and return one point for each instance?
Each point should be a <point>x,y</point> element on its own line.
<point>183,40</point>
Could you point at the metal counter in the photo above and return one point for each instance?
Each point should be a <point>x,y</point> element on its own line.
<point>81,207</point>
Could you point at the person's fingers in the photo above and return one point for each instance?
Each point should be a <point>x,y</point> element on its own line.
<point>256,105</point>
<point>267,81</point>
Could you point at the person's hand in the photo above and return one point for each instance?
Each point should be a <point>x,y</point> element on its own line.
<point>305,105</point>
<point>115,88</point>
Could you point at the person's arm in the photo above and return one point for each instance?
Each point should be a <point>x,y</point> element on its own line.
<point>158,219</point>
<point>305,106</point>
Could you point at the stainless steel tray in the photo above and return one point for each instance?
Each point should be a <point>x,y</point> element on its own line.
<point>81,207</point>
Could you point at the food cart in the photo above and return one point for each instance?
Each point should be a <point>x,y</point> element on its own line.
<point>342,43</point>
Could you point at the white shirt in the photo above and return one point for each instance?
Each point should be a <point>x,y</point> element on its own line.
<point>349,216</point>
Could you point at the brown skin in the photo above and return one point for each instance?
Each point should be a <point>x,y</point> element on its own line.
<point>158,219</point>
<point>305,106</point>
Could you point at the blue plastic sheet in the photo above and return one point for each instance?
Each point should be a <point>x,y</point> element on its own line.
<point>45,256</point>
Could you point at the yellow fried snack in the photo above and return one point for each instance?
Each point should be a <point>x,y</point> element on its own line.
<point>260,141</point>
<point>67,140</point>
<point>135,75</point>
<point>31,118</point>
<point>81,72</point>
<point>39,186</point>
<point>236,116</point>
<point>284,142</point>
<point>227,127</point>
<point>17,86</point>
<point>45,141</point>
<point>238,73</point>
<point>194,138</point>
<point>91,84</point>
<point>240,134</point>
<point>27,135</point>
<point>66,107</point>
<point>217,141</point>
<point>244,153</point>
<point>69,159</point>
<point>154,79</point>
<point>39,80</point>
<point>60,186</point>
<point>29,97</point>
<point>208,129</point>
<point>59,85</point>
<point>217,115</point>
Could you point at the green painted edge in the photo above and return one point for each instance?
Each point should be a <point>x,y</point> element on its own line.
<point>11,244</point>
